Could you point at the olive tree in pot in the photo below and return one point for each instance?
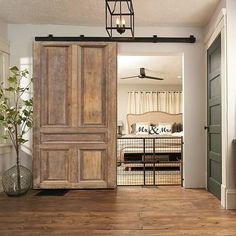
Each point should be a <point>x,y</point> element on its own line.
<point>16,119</point>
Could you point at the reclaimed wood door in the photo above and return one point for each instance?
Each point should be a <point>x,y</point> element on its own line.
<point>74,130</point>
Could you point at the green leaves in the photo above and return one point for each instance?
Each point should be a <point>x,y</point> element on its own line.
<point>16,114</point>
<point>12,79</point>
<point>10,89</point>
<point>28,102</point>
<point>29,124</point>
<point>14,69</point>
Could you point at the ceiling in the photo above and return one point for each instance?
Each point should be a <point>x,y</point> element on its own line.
<point>167,67</point>
<point>195,13</point>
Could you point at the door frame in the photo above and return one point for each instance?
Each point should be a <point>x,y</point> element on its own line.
<point>219,28</point>
<point>181,54</point>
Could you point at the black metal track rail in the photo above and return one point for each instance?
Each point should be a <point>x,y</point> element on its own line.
<point>154,39</point>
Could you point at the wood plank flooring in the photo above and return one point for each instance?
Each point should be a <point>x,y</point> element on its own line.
<point>125,211</point>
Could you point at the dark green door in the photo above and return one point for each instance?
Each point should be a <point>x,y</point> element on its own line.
<point>214,177</point>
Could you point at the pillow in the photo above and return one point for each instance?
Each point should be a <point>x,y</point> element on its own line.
<point>142,128</point>
<point>174,127</point>
<point>179,127</point>
<point>153,129</point>
<point>133,129</point>
<point>165,128</point>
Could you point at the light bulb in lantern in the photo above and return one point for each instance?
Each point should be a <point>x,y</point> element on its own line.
<point>120,25</point>
<point>118,21</point>
<point>123,22</point>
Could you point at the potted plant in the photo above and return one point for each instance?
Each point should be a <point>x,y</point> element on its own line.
<point>16,119</point>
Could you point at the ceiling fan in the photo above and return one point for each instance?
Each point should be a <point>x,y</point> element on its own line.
<point>142,75</point>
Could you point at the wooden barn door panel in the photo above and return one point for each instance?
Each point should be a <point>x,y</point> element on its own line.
<point>92,102</point>
<point>56,86</point>
<point>96,176</point>
<point>58,167</point>
<point>74,115</point>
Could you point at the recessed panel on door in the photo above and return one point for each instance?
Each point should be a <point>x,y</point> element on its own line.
<point>56,85</point>
<point>93,84</point>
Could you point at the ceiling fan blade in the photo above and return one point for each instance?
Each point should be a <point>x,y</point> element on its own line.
<point>130,77</point>
<point>150,77</point>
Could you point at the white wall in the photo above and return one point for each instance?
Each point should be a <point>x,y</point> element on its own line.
<point>123,90</point>
<point>212,21</point>
<point>231,77</point>
<point>194,96</point>
<point>22,36</point>
<point>3,31</point>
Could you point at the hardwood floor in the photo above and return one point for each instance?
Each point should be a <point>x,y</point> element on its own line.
<point>126,211</point>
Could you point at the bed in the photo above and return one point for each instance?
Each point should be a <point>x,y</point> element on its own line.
<point>133,147</point>
<point>150,159</point>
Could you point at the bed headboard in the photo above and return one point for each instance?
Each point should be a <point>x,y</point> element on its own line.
<point>153,117</point>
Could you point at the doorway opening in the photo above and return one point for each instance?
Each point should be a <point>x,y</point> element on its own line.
<point>150,120</point>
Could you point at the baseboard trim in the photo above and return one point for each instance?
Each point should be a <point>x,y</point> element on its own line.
<point>223,195</point>
<point>230,199</point>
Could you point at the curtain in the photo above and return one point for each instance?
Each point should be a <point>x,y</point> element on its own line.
<point>142,101</point>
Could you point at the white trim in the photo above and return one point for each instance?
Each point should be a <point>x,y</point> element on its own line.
<point>211,33</point>
<point>4,47</point>
<point>223,195</point>
<point>220,28</point>
<point>230,199</point>
<point>224,112</point>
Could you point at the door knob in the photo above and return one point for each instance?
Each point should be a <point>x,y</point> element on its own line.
<point>206,127</point>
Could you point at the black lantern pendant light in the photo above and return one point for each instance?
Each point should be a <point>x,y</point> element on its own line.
<point>119,16</point>
<point>120,21</point>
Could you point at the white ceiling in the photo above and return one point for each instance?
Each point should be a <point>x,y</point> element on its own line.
<point>92,13</point>
<point>167,67</point>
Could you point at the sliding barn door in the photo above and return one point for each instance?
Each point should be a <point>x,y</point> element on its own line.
<point>74,115</point>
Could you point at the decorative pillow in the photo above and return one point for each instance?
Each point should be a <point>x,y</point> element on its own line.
<point>142,128</point>
<point>179,127</point>
<point>133,129</point>
<point>153,129</point>
<point>174,127</point>
<point>165,128</point>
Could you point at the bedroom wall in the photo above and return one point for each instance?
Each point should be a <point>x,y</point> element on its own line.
<point>123,90</point>
<point>22,36</point>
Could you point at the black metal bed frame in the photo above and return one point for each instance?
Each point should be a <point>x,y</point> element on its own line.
<point>154,163</point>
